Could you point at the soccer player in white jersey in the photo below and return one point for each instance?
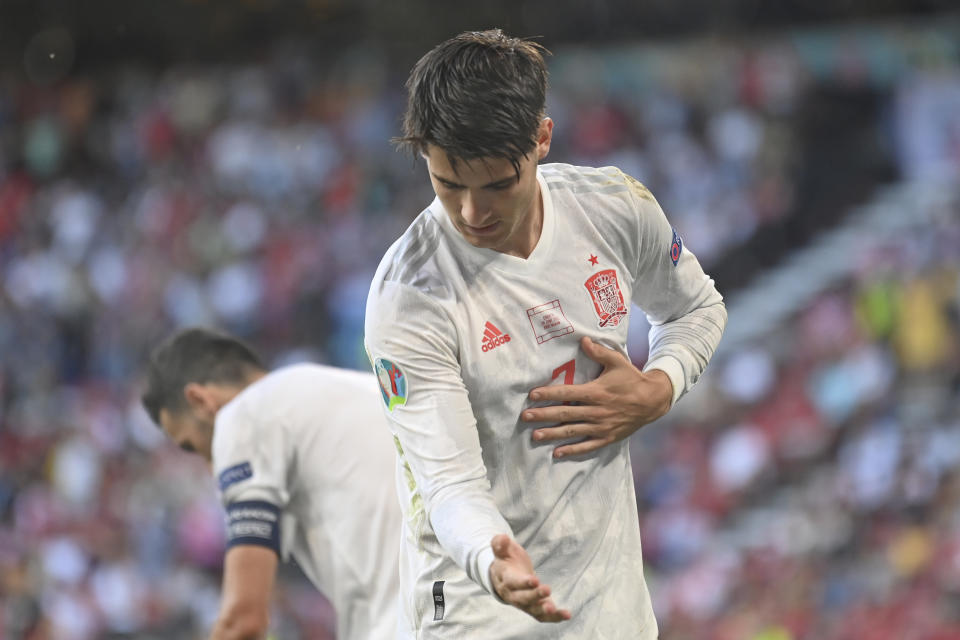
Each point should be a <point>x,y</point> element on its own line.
<point>304,469</point>
<point>497,326</point>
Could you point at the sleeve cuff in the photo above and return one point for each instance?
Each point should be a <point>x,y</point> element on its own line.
<point>674,370</point>
<point>484,560</point>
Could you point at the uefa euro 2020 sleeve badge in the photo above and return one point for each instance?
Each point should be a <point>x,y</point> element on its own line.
<point>607,299</point>
<point>393,384</point>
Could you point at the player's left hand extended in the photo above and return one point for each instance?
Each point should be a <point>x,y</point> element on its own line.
<point>610,408</point>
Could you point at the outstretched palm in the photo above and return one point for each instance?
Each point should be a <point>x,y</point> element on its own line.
<point>516,583</point>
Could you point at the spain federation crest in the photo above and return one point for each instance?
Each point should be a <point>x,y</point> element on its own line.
<point>393,384</point>
<point>607,299</point>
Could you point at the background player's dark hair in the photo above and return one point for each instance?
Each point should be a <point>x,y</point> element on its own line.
<point>194,355</point>
<point>480,94</point>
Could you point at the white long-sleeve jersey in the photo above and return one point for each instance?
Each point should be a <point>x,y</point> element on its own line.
<point>459,336</point>
<point>305,468</point>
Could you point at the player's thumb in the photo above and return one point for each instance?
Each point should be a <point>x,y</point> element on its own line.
<point>600,354</point>
<point>501,545</point>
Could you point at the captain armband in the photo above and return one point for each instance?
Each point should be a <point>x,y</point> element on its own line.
<point>253,522</point>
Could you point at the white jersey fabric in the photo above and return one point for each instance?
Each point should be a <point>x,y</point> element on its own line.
<point>459,336</point>
<point>305,468</point>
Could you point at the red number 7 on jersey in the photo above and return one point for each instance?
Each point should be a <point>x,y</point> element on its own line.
<point>567,369</point>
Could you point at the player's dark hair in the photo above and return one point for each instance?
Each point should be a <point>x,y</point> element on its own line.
<point>194,355</point>
<point>480,94</point>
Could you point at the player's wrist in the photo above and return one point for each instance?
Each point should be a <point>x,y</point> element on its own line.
<point>674,372</point>
<point>662,391</point>
<point>485,563</point>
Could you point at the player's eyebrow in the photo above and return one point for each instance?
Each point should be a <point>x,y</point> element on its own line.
<point>502,182</point>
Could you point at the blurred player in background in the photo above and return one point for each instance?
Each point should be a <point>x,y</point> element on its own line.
<point>515,279</point>
<point>304,468</point>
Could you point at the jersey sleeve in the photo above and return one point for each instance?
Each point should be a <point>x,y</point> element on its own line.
<point>250,463</point>
<point>686,312</point>
<point>412,344</point>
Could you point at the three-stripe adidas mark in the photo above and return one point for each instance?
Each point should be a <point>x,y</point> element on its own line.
<point>493,337</point>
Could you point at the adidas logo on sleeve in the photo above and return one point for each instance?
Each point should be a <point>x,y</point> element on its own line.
<point>493,337</point>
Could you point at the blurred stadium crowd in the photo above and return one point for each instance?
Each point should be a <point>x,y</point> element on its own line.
<point>813,490</point>
<point>809,492</point>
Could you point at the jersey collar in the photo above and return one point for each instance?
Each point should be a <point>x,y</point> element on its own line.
<point>481,258</point>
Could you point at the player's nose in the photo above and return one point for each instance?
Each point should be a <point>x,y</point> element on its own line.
<point>473,211</point>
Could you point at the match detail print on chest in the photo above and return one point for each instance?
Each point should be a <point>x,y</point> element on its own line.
<point>590,297</point>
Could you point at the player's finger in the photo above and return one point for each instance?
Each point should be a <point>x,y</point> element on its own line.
<point>564,413</point>
<point>546,611</point>
<point>527,598</point>
<point>564,431</point>
<point>560,615</point>
<point>604,355</point>
<point>518,580</point>
<point>579,448</point>
<point>586,393</point>
<point>556,615</point>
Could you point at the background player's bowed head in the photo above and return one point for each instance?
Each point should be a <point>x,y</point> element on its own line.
<point>190,376</point>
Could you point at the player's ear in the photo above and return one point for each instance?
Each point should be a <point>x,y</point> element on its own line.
<point>544,138</point>
<point>199,397</point>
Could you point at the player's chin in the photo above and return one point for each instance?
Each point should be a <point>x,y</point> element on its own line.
<point>491,233</point>
<point>482,242</point>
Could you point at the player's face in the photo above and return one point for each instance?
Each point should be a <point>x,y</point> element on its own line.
<point>188,431</point>
<point>489,204</point>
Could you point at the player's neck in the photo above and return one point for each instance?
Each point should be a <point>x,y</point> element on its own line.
<point>223,394</point>
<point>528,235</point>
